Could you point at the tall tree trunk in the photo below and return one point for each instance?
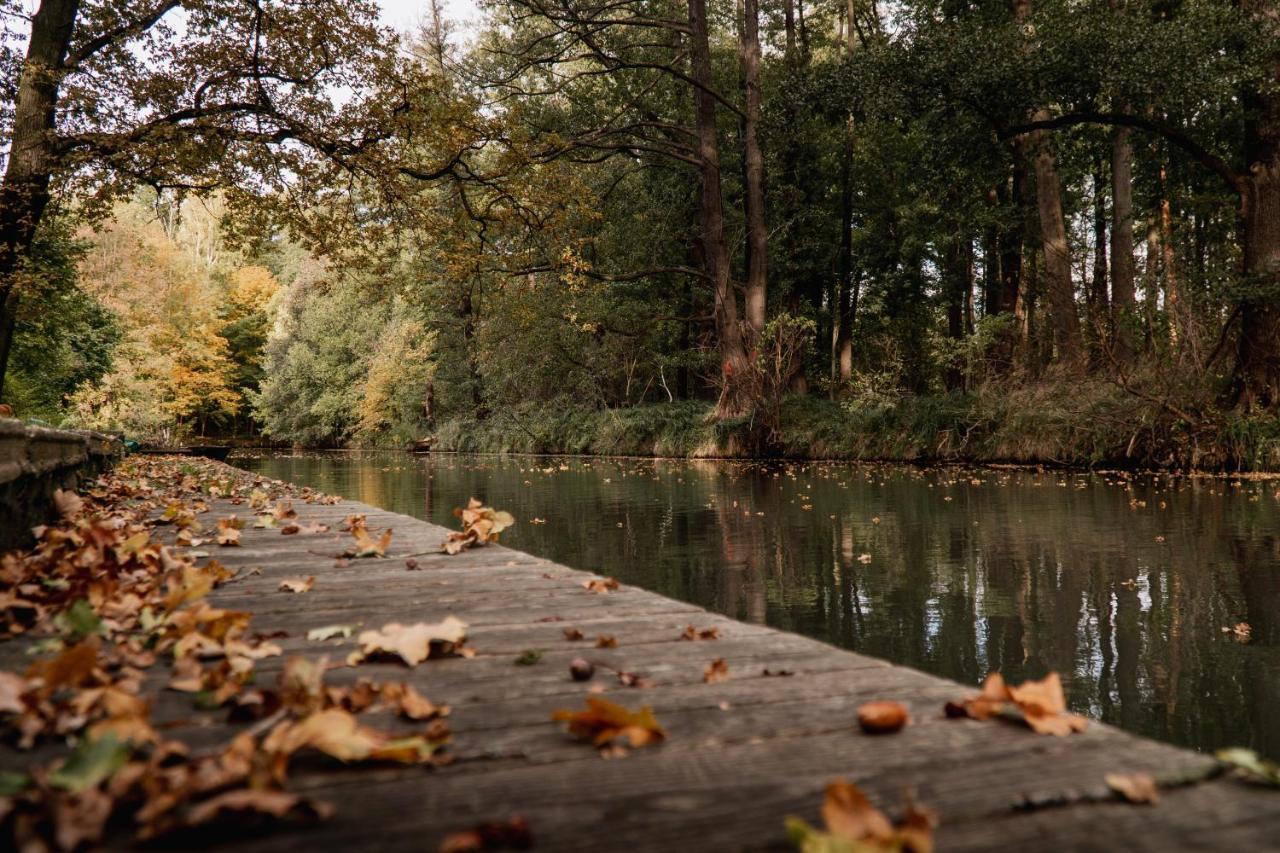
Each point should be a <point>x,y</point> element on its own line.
<point>789,23</point>
<point>1258,365</point>
<point>24,193</point>
<point>1098,302</point>
<point>715,251</point>
<point>1123,289</point>
<point>1173,306</point>
<point>1151,281</point>
<point>753,157</point>
<point>846,300</point>
<point>1057,253</point>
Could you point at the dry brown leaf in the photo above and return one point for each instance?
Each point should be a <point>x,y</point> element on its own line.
<point>298,585</point>
<point>480,525</point>
<point>600,587</point>
<point>1134,787</point>
<point>604,721</point>
<point>414,643</point>
<point>717,670</point>
<point>853,823</point>
<point>1042,703</point>
<point>606,641</point>
<point>692,633</point>
<point>67,503</point>
<point>229,531</point>
<point>573,634</point>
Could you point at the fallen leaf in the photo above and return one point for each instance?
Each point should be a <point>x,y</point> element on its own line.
<point>529,657</point>
<point>328,632</point>
<point>229,531</point>
<point>856,826</point>
<point>1042,703</point>
<point>414,643</point>
<point>573,634</point>
<point>67,503</point>
<point>1250,765</point>
<point>480,525</point>
<point>298,585</point>
<point>717,670</point>
<point>600,587</point>
<point>692,633</point>
<point>604,721</point>
<point>606,641</point>
<point>1134,787</point>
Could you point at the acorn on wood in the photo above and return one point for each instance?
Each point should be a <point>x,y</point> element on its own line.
<point>581,669</point>
<point>880,718</point>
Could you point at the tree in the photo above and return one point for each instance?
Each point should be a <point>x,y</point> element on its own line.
<point>188,94</point>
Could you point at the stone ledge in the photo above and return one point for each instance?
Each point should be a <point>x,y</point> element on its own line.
<point>34,462</point>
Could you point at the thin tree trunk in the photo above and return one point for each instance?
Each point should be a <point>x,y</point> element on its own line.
<point>1123,290</point>
<point>1057,253</point>
<point>1099,309</point>
<point>1169,260</point>
<point>789,23</point>
<point>24,193</point>
<point>757,231</point>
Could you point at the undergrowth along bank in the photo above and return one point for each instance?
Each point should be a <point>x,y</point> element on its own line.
<point>1084,425</point>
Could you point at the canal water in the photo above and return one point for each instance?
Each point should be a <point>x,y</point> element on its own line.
<point>1130,586</point>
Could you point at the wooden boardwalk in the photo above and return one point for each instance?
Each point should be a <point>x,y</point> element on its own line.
<point>740,756</point>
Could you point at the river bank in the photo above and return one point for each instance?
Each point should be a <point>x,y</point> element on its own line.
<point>1084,425</point>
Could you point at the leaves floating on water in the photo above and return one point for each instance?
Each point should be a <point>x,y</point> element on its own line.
<point>1042,703</point>
<point>853,825</point>
<point>480,525</point>
<point>604,722</point>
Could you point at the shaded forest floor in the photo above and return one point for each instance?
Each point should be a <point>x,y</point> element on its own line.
<point>1078,424</point>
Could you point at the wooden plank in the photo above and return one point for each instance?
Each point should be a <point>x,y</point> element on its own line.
<point>741,754</point>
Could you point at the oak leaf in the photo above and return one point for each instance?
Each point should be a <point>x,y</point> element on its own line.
<point>414,643</point>
<point>1134,787</point>
<point>298,585</point>
<point>604,722</point>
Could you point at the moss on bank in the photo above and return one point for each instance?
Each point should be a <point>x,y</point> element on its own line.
<point>1082,425</point>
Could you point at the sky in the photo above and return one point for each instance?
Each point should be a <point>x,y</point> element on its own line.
<point>406,14</point>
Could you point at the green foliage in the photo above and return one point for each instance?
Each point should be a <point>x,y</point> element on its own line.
<point>64,336</point>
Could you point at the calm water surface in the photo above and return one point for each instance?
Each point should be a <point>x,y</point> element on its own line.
<point>1123,585</point>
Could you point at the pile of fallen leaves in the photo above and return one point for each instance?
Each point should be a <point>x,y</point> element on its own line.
<point>480,525</point>
<point>105,600</point>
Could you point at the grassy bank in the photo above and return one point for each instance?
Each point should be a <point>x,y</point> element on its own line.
<point>1083,425</point>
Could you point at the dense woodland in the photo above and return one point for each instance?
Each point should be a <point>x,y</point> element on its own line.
<point>1034,230</point>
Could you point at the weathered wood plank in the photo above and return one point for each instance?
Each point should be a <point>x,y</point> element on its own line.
<point>741,754</point>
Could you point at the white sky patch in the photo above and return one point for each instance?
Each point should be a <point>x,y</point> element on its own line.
<point>407,15</point>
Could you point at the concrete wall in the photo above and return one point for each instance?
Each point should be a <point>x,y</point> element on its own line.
<point>35,461</point>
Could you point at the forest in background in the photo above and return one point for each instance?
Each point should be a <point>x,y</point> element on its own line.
<point>1023,231</point>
